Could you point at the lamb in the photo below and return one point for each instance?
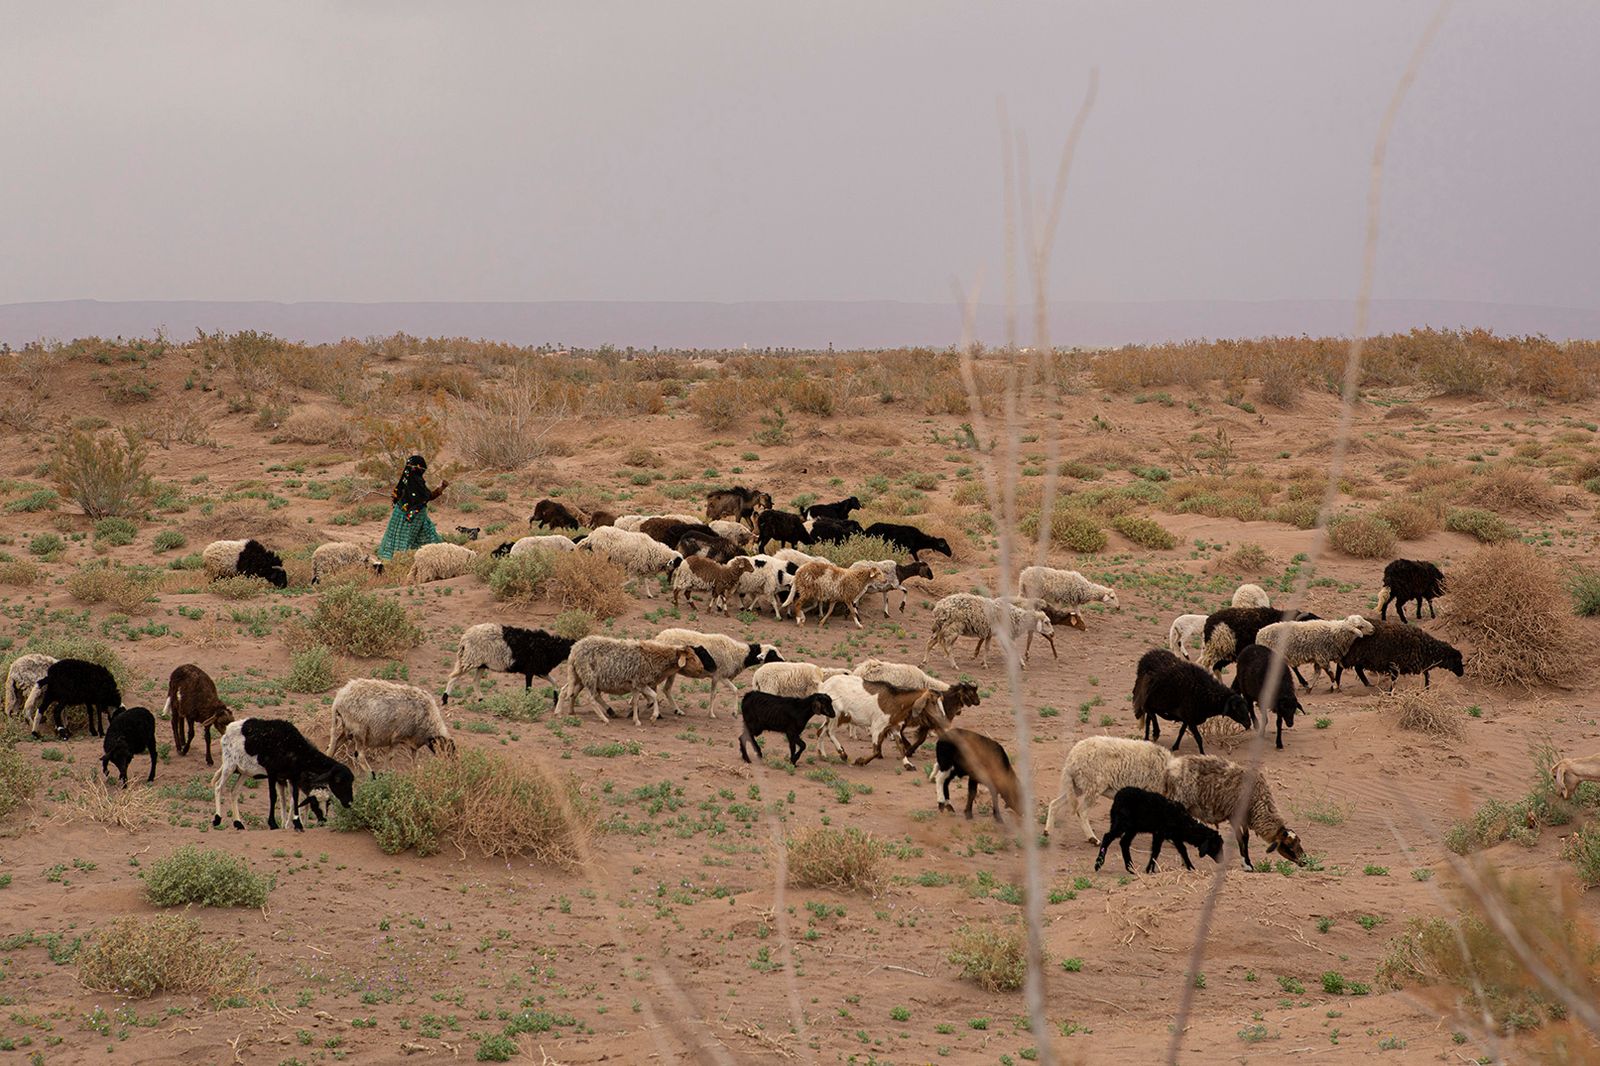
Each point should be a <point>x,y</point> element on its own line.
<point>1410,581</point>
<point>1168,687</point>
<point>698,574</point>
<point>831,530</point>
<point>437,562</point>
<point>598,519</point>
<point>274,749</point>
<point>1396,648</point>
<point>73,683</point>
<point>791,679</point>
<point>1186,629</point>
<point>1569,773</point>
<point>840,510</point>
<point>339,554</point>
<point>1232,628</point>
<point>1069,618</point>
<point>963,614</point>
<point>897,709</point>
<point>552,515</point>
<point>192,701</point>
<point>243,558</point>
<point>786,528</point>
<point>898,675</point>
<point>763,712</point>
<point>1099,766</point>
<point>1137,810</point>
<point>370,714</point>
<point>1210,787</point>
<point>896,575</point>
<point>639,555</point>
<point>769,577</point>
<point>1321,643</point>
<point>1250,680</point>
<point>616,666</point>
<point>982,761</point>
<point>470,532</point>
<point>508,650</point>
<point>21,675</point>
<point>545,542</point>
<point>1062,589</point>
<point>909,538</point>
<point>1250,596</point>
<point>816,584</point>
<point>738,503</point>
<point>731,658</point>
<point>131,731</point>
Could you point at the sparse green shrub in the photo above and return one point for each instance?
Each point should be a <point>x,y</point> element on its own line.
<point>139,957</point>
<point>574,625</point>
<point>1582,849</point>
<point>995,957</point>
<point>19,776</point>
<point>1475,522</point>
<point>521,578</point>
<point>1145,532</point>
<point>45,545</point>
<point>845,860</point>
<point>362,624</point>
<point>855,549</point>
<point>311,670</point>
<point>206,877</point>
<point>168,540</point>
<point>114,531</point>
<point>101,474</point>
<point>1585,588</point>
<point>37,500</point>
<point>1361,536</point>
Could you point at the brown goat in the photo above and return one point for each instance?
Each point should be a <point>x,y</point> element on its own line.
<point>903,708</point>
<point>982,761</point>
<point>192,701</point>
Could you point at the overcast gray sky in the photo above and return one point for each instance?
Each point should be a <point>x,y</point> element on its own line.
<point>708,150</point>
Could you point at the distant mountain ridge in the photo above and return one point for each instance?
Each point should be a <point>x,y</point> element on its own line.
<point>762,324</point>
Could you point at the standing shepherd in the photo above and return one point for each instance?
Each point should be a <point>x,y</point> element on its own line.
<point>409,525</point>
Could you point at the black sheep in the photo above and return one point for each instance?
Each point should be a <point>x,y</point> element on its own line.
<point>503,549</point>
<point>908,538</point>
<point>1167,687</point>
<point>511,650</point>
<point>1250,681</point>
<point>788,529</point>
<point>1396,648</point>
<point>274,749</point>
<point>825,530</point>
<point>73,683</point>
<point>1410,581</point>
<point>1242,623</point>
<point>713,546</point>
<point>982,761</point>
<point>257,560</point>
<point>552,515</point>
<point>765,713</point>
<point>470,532</point>
<point>670,531</point>
<point>840,510</point>
<point>131,731</point>
<point>1135,811</point>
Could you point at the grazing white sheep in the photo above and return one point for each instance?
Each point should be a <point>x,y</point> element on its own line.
<point>615,666</point>
<point>1250,596</point>
<point>963,614</point>
<point>769,579</point>
<point>544,542</point>
<point>370,714</point>
<point>641,556</point>
<point>25,671</point>
<point>1187,629</point>
<point>791,679</point>
<point>339,554</point>
<point>1322,642</point>
<point>1098,766</point>
<point>437,562</point>
<point>732,658</point>
<point>1063,589</point>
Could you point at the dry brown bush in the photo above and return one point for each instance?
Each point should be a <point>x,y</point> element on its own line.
<point>1361,536</point>
<point>18,572</point>
<point>102,473</point>
<point>316,425</point>
<point>138,957</point>
<point>241,518</point>
<point>1247,560</point>
<point>1421,710</point>
<point>1281,380</point>
<point>585,581</point>
<point>101,583</point>
<point>718,404</point>
<point>1513,608</point>
<point>1412,517</point>
<point>507,429</point>
<point>843,860</point>
<point>127,809</point>
<point>1514,488</point>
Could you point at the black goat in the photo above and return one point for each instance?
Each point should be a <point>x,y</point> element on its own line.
<point>73,683</point>
<point>1250,681</point>
<point>788,529</point>
<point>982,761</point>
<point>765,713</point>
<point>1167,687</point>
<point>508,650</point>
<point>470,532</point>
<point>1395,648</point>
<point>1135,811</point>
<point>670,531</point>
<point>131,731</point>
<point>552,515</point>
<point>825,530</point>
<point>274,749</point>
<point>840,510</point>
<point>908,538</point>
<point>1410,581</point>
<point>502,550</point>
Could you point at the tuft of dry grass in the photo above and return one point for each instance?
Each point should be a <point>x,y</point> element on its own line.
<point>315,425</point>
<point>1515,488</point>
<point>101,583</point>
<point>584,581</point>
<point>238,587</point>
<point>1421,710</point>
<point>18,572</point>
<point>994,957</point>
<point>139,957</point>
<point>1411,518</point>
<point>94,799</point>
<point>1361,536</point>
<point>844,860</point>
<point>1247,560</point>
<point>1513,607</point>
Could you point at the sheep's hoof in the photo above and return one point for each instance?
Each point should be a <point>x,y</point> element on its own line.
<point>908,764</point>
<point>298,828</point>
<point>238,824</point>
<point>216,820</point>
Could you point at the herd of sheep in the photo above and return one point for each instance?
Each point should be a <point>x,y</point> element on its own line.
<point>1174,798</point>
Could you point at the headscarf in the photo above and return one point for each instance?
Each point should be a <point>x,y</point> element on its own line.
<point>411,491</point>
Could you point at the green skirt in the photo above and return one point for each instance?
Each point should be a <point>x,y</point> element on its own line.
<point>405,536</point>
